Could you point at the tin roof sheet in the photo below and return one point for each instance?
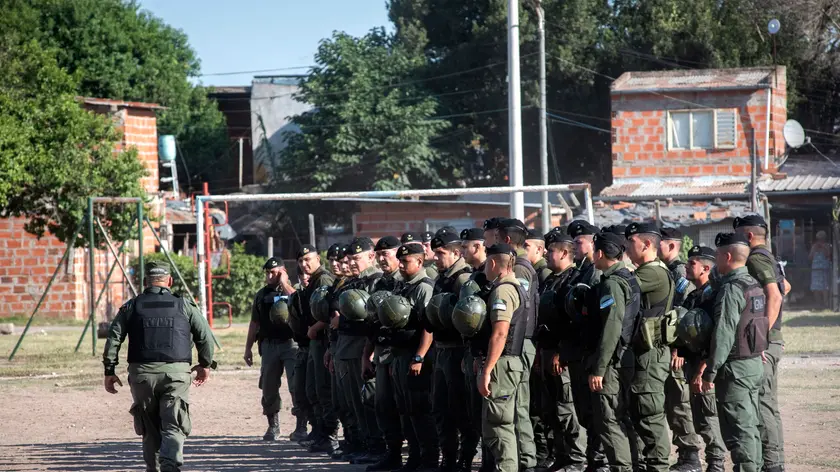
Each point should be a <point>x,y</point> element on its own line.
<point>692,79</point>
<point>665,187</point>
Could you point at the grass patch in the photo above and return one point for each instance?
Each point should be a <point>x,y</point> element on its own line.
<point>20,321</point>
<point>811,332</point>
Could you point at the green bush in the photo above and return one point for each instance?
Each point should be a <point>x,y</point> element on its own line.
<point>687,244</point>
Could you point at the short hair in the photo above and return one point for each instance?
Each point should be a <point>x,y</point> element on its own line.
<point>454,246</point>
<point>758,231</point>
<point>504,260</point>
<point>421,257</point>
<point>565,246</point>
<point>739,252</point>
<point>516,235</point>
<point>612,251</point>
<point>157,279</point>
<point>654,239</point>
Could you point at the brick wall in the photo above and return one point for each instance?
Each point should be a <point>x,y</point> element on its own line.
<point>640,127</point>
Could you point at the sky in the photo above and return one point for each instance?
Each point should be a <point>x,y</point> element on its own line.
<point>247,35</point>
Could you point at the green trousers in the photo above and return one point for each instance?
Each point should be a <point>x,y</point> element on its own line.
<point>451,405</point>
<point>349,373</point>
<point>344,412</point>
<point>277,357</point>
<point>705,415</point>
<point>321,394</point>
<point>678,409</point>
<point>543,428</point>
<point>414,404</point>
<point>610,418</point>
<point>387,416</point>
<point>303,408</point>
<point>524,428</point>
<point>161,412</point>
<point>560,414</point>
<point>647,408</point>
<point>585,404</point>
<point>737,396</point>
<point>770,426</point>
<point>499,411</point>
<point>475,406</point>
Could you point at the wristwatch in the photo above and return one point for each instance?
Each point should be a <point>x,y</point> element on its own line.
<point>417,360</point>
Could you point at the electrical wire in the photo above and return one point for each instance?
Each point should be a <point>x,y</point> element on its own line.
<point>258,71</point>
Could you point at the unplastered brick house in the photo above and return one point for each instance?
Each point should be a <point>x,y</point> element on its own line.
<point>27,263</point>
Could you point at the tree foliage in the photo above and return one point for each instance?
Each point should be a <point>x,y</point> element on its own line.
<point>53,153</point>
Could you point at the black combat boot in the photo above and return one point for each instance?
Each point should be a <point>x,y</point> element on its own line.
<point>573,467</point>
<point>373,455</point>
<point>464,463</point>
<point>327,444</point>
<point>412,464</point>
<point>688,461</point>
<point>429,462</point>
<point>392,460</point>
<point>448,463</point>
<point>714,465</point>
<point>299,433</point>
<point>273,431</point>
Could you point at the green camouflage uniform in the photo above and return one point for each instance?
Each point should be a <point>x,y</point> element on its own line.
<point>160,390</point>
<point>736,381</point>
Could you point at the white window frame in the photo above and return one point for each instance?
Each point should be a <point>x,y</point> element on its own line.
<point>691,146</point>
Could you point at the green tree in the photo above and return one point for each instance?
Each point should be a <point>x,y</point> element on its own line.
<point>53,153</point>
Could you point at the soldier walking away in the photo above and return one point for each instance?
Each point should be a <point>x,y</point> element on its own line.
<point>652,355</point>
<point>770,274</point>
<point>161,329</point>
<point>734,368</point>
<point>677,394</point>
<point>275,345</point>
<point>701,262</point>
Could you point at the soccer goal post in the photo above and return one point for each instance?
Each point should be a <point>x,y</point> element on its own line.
<point>385,196</point>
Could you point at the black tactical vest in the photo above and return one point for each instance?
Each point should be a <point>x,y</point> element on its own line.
<point>559,326</point>
<point>780,279</point>
<point>751,336</point>
<point>586,271</point>
<point>518,325</point>
<point>447,285</point>
<point>306,295</point>
<point>268,329</point>
<point>159,330</point>
<point>633,307</point>
<point>532,297</point>
<point>703,298</point>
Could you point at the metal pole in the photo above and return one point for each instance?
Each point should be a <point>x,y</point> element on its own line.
<point>766,202</point>
<point>171,262</point>
<point>517,199</point>
<point>201,257</point>
<point>546,208</point>
<point>98,299</point>
<point>70,244</point>
<point>142,275</point>
<point>117,256</point>
<point>270,246</point>
<point>92,264</point>
<point>208,267</point>
<point>312,229</point>
<point>753,177</point>
<point>590,212</point>
<point>240,162</point>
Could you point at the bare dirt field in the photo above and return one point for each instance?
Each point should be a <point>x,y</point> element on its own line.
<point>55,415</point>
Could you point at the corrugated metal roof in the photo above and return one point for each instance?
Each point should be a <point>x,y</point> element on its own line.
<point>673,214</point>
<point>120,103</point>
<point>692,79</point>
<point>665,187</point>
<point>800,183</point>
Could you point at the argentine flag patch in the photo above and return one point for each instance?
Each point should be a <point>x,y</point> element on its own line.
<point>498,304</point>
<point>524,283</point>
<point>682,284</point>
<point>607,301</point>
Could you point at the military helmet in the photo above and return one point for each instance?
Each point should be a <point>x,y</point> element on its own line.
<point>439,310</point>
<point>576,302</point>
<point>352,304</point>
<point>394,312</point>
<point>376,299</point>
<point>433,310</point>
<point>320,304</point>
<point>470,287</point>
<point>279,312</point>
<point>695,329</point>
<point>469,315</point>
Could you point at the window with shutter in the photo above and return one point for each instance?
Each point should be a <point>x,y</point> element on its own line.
<point>726,127</point>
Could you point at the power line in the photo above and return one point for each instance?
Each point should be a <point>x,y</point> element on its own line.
<point>258,71</point>
<point>560,119</point>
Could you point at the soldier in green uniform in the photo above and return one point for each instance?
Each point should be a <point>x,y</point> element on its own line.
<point>473,248</point>
<point>449,402</point>
<point>734,367</point>
<point>677,395</point>
<point>305,408</point>
<point>161,329</point>
<point>387,415</point>
<point>275,345</point>
<point>502,375</point>
<point>701,262</point>
<point>491,231</point>
<point>426,238</point>
<point>652,356</point>
<point>770,274</point>
<point>352,337</point>
<point>583,234</point>
<point>513,232</point>
<point>555,330</point>
<point>612,307</point>
<point>535,252</point>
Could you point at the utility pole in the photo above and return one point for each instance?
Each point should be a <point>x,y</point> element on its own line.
<point>546,208</point>
<point>517,199</point>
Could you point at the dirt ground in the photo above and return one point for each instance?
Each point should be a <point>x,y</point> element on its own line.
<point>74,425</point>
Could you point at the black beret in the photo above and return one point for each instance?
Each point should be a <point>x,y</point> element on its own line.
<point>702,252</point>
<point>427,236</point>
<point>343,251</point>
<point>501,248</point>
<point>360,245</point>
<point>557,237</point>
<point>410,249</point>
<point>272,263</point>
<point>409,238</point>
<point>728,239</point>
<point>614,229</point>
<point>534,234</point>
<point>642,228</point>
<point>513,223</point>
<point>669,234</point>
<point>333,251</point>
<point>749,220</point>
<point>492,223</point>
<point>446,229</point>
<point>472,234</point>
<point>306,249</point>
<point>559,229</point>
<point>444,239</point>
<point>387,242</point>
<point>581,228</point>
<point>604,239</point>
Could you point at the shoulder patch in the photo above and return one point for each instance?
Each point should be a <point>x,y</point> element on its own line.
<point>498,304</point>
<point>524,283</point>
<point>682,284</point>
<point>607,301</point>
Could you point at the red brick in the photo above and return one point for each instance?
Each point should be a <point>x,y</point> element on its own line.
<point>634,148</point>
<point>679,170</point>
<point>708,170</point>
<point>648,148</point>
<point>619,171</point>
<point>694,170</point>
<point>650,170</point>
<point>635,171</point>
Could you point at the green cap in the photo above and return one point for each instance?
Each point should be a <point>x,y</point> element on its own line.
<point>157,269</point>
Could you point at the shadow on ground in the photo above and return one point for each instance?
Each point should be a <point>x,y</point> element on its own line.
<point>210,453</point>
<point>813,321</point>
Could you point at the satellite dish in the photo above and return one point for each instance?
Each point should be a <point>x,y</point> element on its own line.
<point>774,26</point>
<point>794,134</point>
